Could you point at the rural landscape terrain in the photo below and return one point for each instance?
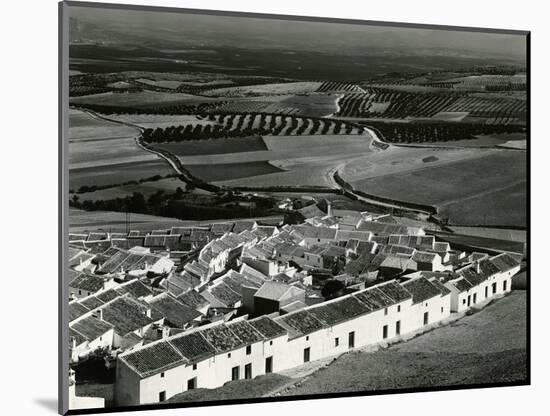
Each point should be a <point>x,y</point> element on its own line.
<point>272,139</point>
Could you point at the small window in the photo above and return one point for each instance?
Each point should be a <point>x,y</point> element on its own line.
<point>464,301</point>
<point>161,375</point>
<point>385,332</point>
<point>248,349</point>
<point>101,338</point>
<point>80,292</point>
<point>385,311</point>
<point>426,304</point>
<point>271,342</point>
<point>336,342</point>
<point>194,366</point>
<point>442,309</point>
<point>229,355</point>
<point>398,308</point>
<point>162,396</point>
<point>307,338</point>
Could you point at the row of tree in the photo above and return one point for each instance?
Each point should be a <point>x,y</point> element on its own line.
<point>438,132</point>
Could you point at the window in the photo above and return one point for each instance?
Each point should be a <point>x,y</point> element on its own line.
<point>398,328</point>
<point>486,291</point>
<point>306,354</point>
<point>229,355</point>
<point>442,309</point>
<point>351,339</point>
<point>475,298</point>
<point>469,300</point>
<point>494,288</point>
<point>101,338</point>
<point>398,308</point>
<point>192,383</point>
<point>194,366</point>
<point>271,342</point>
<point>248,349</point>
<point>504,286</point>
<point>385,332</point>
<point>161,375</point>
<point>162,396</point>
<point>385,311</point>
<point>235,373</point>
<point>248,371</point>
<point>426,318</point>
<point>464,301</point>
<point>336,342</point>
<point>268,365</point>
<point>80,292</point>
<point>307,338</point>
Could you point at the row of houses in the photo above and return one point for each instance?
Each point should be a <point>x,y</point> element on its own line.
<point>208,357</point>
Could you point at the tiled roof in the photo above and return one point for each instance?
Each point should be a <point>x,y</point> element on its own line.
<point>421,289</point>
<point>375,299</point>
<point>381,228</point>
<point>424,257</point>
<point>91,328</point>
<point>245,332</point>
<point>193,299</point>
<point>398,249</point>
<point>338,311</point>
<point>91,302</point>
<point>275,291</point>
<point>302,322</point>
<point>135,287</point>
<point>194,347</point>
<point>221,228</point>
<point>107,295</point>
<point>225,294</point>
<point>442,288</point>
<point>462,284</point>
<point>173,311</point>
<point>125,315</point>
<point>504,262</point>
<point>267,327</point>
<point>311,211</point>
<point>222,338</point>
<point>76,310</point>
<point>76,336</point>
<point>394,291</point>
<point>88,282</point>
<point>153,358</point>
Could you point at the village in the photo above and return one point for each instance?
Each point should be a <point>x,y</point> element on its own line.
<point>196,307</point>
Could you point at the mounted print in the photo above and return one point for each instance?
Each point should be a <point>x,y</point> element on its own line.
<point>266,207</point>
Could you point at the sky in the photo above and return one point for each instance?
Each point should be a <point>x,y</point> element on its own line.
<point>246,32</point>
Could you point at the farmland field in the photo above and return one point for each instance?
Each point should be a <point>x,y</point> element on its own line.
<point>159,120</point>
<point>83,126</point>
<point>138,99</point>
<point>213,172</point>
<point>303,160</point>
<point>117,173</point>
<point>218,146</point>
<point>456,182</point>
<point>498,233</point>
<point>168,185</point>
<point>265,89</point>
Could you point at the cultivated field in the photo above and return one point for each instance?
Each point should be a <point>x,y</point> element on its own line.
<point>117,173</point>
<point>138,99</point>
<point>85,127</point>
<point>214,146</point>
<point>498,233</point>
<point>265,89</point>
<point>159,120</point>
<point>454,180</point>
<point>303,160</point>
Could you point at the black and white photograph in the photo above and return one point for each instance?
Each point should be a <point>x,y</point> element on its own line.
<point>262,208</point>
